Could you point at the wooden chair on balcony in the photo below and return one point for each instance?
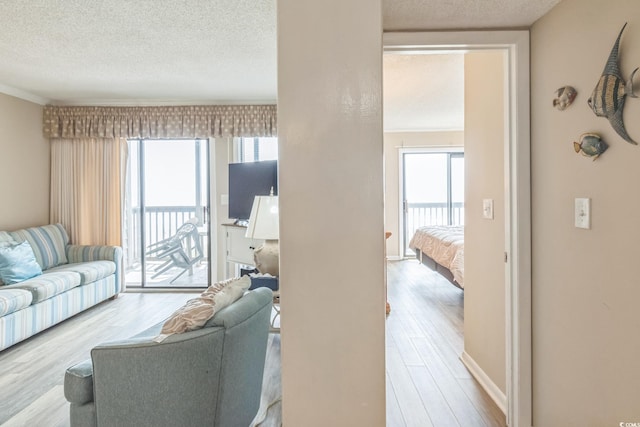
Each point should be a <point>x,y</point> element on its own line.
<point>182,250</point>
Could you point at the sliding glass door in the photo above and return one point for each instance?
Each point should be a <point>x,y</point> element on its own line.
<point>167,217</point>
<point>433,190</point>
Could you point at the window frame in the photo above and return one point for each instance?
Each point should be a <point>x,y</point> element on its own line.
<point>451,151</point>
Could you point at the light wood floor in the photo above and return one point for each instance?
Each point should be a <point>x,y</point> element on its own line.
<point>427,385</point>
<point>32,372</point>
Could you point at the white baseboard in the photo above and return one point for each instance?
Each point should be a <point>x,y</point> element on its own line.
<point>489,386</point>
<point>394,258</point>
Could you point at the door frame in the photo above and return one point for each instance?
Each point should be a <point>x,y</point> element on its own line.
<point>203,151</point>
<point>517,178</point>
<point>402,226</point>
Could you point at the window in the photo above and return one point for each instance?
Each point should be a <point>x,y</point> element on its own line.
<point>433,186</point>
<point>257,149</point>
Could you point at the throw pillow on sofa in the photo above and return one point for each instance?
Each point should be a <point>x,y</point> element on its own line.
<point>18,263</point>
<point>195,313</point>
<point>48,242</point>
<point>5,240</point>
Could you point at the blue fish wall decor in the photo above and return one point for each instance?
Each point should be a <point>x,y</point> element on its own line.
<point>590,145</point>
<point>607,99</point>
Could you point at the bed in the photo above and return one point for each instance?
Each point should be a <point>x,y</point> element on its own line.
<point>441,248</point>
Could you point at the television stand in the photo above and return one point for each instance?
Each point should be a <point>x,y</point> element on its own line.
<point>238,249</point>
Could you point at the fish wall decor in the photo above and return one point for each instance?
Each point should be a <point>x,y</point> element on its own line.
<point>564,97</point>
<point>590,145</point>
<point>607,99</point>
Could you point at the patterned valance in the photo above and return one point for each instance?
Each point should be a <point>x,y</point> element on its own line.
<point>195,121</point>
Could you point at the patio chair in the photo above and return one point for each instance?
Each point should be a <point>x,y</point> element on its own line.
<point>182,250</point>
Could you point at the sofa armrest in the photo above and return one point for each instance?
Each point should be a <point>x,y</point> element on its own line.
<point>85,253</point>
<point>78,383</point>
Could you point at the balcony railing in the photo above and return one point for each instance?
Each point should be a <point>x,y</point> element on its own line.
<point>423,214</point>
<point>160,222</point>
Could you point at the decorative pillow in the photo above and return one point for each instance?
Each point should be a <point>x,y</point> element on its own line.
<point>5,240</point>
<point>48,242</point>
<point>18,263</point>
<point>195,313</point>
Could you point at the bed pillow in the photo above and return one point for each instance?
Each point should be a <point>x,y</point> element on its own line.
<point>18,263</point>
<point>195,313</point>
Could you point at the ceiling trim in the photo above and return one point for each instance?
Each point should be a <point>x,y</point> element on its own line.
<point>27,96</point>
<point>154,103</point>
<point>423,130</point>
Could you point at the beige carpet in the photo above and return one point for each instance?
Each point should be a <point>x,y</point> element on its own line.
<point>270,411</point>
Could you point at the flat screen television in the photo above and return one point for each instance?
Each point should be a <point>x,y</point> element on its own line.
<point>247,180</point>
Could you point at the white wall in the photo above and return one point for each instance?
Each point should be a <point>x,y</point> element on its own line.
<point>393,142</point>
<point>586,368</point>
<point>331,212</point>
<point>221,156</point>
<point>484,268</point>
<point>24,165</point>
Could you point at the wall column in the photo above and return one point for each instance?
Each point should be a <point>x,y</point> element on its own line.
<point>331,212</point>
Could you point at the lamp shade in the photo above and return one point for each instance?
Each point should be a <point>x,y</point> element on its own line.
<point>263,221</point>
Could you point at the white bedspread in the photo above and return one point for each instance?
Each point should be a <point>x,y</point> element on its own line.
<point>445,244</point>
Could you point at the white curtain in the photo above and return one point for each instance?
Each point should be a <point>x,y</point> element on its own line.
<point>88,187</point>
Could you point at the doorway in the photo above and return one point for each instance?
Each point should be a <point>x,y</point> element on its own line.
<point>517,212</point>
<point>167,214</point>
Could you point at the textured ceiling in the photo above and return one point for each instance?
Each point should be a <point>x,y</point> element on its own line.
<point>423,92</point>
<point>110,52</point>
<point>462,14</point>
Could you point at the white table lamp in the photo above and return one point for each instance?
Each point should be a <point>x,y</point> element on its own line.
<point>264,224</point>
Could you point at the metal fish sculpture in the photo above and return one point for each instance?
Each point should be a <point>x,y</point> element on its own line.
<point>607,99</point>
<point>564,97</point>
<point>590,145</point>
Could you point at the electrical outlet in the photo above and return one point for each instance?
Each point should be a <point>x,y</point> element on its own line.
<point>487,208</point>
<point>583,213</point>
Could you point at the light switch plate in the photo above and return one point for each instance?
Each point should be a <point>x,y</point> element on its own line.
<point>487,208</point>
<point>583,213</point>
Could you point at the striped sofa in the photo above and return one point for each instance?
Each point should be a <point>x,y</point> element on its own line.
<point>74,278</point>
